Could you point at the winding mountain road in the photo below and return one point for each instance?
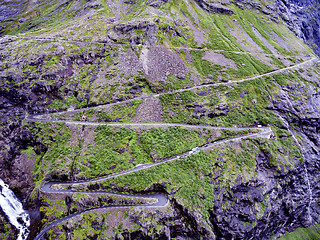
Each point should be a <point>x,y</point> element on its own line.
<point>159,200</point>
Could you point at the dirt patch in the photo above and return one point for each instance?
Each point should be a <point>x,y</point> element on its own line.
<point>265,42</point>
<point>120,72</point>
<point>74,139</point>
<point>150,110</point>
<point>281,42</point>
<point>246,42</point>
<point>101,79</point>
<point>219,59</point>
<point>198,35</point>
<point>89,134</point>
<point>115,218</point>
<point>188,56</point>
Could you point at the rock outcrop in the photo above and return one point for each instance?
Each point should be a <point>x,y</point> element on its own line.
<point>303,17</point>
<point>214,7</point>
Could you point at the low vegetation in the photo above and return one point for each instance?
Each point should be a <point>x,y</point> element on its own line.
<point>67,74</point>
<point>302,233</point>
<point>191,179</point>
<point>72,154</point>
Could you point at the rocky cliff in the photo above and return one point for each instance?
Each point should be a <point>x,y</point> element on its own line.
<point>302,18</point>
<point>144,58</point>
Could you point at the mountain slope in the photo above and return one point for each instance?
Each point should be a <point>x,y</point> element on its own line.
<point>185,62</point>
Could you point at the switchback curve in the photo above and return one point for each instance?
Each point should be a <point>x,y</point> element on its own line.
<point>160,199</point>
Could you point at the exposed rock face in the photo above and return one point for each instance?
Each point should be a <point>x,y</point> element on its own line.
<point>284,213</point>
<point>215,7</point>
<point>288,198</point>
<point>303,17</point>
<point>127,32</point>
<point>14,103</point>
<point>9,9</point>
<point>13,138</point>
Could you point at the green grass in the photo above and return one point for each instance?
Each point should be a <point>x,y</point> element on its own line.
<point>111,149</point>
<point>84,227</point>
<point>57,161</point>
<point>247,18</point>
<point>82,152</point>
<point>36,22</point>
<point>311,233</point>
<point>52,210</point>
<point>117,150</point>
<point>159,143</point>
<point>122,112</point>
<point>205,67</point>
<point>191,178</point>
<point>54,60</point>
<point>247,65</point>
<point>251,109</point>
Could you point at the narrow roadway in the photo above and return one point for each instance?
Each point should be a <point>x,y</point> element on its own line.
<point>51,39</point>
<point>160,200</point>
<point>184,89</point>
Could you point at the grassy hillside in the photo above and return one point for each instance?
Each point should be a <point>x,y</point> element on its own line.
<point>136,62</point>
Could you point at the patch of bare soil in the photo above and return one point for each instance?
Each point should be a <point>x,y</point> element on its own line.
<point>88,134</point>
<point>127,64</point>
<point>265,42</point>
<point>150,110</point>
<point>76,134</point>
<point>188,56</point>
<point>101,79</point>
<point>219,59</point>
<point>246,42</point>
<point>198,35</point>
<point>115,218</point>
<point>281,42</point>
